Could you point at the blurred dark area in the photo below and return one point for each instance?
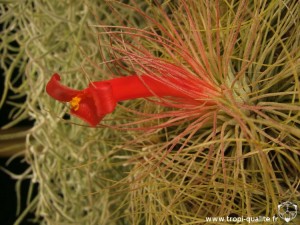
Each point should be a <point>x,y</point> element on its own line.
<point>8,194</point>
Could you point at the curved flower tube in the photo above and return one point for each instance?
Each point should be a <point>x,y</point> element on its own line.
<point>101,97</point>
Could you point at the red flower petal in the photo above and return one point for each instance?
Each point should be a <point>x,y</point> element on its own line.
<point>95,102</point>
<point>58,91</point>
<point>87,111</point>
<point>103,97</point>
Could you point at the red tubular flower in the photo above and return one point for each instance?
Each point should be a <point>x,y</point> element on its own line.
<point>101,97</point>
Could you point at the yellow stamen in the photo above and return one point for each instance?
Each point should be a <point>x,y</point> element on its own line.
<point>75,103</point>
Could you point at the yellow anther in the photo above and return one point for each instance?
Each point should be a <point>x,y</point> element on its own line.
<point>74,103</point>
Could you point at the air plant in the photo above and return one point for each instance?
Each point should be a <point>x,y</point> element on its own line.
<point>217,135</point>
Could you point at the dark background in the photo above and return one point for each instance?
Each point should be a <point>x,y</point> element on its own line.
<point>8,199</point>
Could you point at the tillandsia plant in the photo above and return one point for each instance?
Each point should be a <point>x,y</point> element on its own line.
<point>236,156</point>
<point>214,131</point>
